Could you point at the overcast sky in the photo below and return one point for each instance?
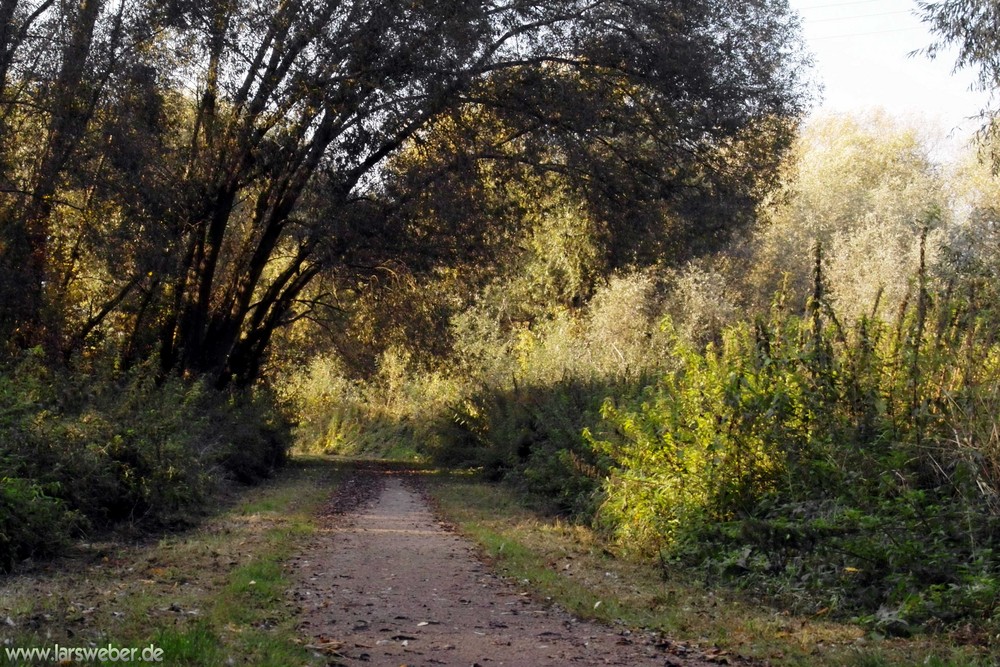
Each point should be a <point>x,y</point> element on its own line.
<point>861,52</point>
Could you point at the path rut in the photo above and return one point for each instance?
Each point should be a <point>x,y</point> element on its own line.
<point>388,584</point>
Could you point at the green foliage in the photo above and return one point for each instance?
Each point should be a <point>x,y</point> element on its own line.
<point>32,522</point>
<point>964,28</point>
<point>851,468</point>
<point>141,219</point>
<point>381,418</point>
<point>820,467</point>
<point>534,390</point>
<point>862,186</point>
<point>89,452</point>
<point>530,436</point>
<point>194,645</point>
<point>837,452</point>
<point>699,446</point>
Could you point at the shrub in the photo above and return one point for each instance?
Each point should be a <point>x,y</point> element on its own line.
<point>852,470</point>
<point>92,451</point>
<point>850,465</point>
<point>398,407</point>
<point>32,522</point>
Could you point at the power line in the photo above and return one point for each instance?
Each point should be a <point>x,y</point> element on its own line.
<point>866,34</point>
<point>838,4</point>
<point>859,16</point>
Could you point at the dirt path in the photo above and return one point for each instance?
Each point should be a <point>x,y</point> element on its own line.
<point>387,584</point>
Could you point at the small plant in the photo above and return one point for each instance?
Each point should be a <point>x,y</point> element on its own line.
<point>33,523</point>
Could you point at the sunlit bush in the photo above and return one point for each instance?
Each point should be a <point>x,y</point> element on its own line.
<point>864,187</point>
<point>702,301</point>
<point>384,416</point>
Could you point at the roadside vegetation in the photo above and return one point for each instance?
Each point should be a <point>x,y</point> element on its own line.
<point>577,568</point>
<point>591,250</point>
<point>88,452</point>
<point>217,595</point>
<point>197,198</point>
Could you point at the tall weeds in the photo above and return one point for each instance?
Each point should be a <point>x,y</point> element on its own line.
<point>846,465</point>
<point>850,470</point>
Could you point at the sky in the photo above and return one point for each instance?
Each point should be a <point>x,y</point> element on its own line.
<point>861,48</point>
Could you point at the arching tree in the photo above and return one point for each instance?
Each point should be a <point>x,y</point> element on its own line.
<point>286,111</point>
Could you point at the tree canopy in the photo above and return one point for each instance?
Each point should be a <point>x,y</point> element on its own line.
<point>862,187</point>
<point>174,176</point>
<point>973,29</point>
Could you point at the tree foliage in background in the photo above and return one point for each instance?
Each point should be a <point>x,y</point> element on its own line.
<point>863,188</point>
<point>175,176</point>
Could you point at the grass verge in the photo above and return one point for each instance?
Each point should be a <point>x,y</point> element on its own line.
<point>210,596</point>
<point>571,566</point>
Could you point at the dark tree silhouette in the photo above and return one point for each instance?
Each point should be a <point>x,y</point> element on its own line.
<point>196,166</point>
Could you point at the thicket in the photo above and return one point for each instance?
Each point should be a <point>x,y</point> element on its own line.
<point>387,415</point>
<point>845,467</point>
<point>192,194</point>
<point>89,451</point>
<point>832,445</point>
<point>848,470</point>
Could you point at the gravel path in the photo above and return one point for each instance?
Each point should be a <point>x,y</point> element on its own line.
<point>386,584</point>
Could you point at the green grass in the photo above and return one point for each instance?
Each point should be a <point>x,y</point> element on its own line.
<point>216,595</point>
<point>207,597</point>
<point>570,565</point>
<point>194,644</point>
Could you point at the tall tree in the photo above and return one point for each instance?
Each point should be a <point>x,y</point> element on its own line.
<point>972,27</point>
<point>286,111</point>
<point>863,187</point>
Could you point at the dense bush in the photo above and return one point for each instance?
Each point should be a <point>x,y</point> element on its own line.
<point>847,466</point>
<point>837,450</point>
<point>391,415</point>
<point>31,520</point>
<point>848,470</point>
<point>84,452</point>
<point>530,436</point>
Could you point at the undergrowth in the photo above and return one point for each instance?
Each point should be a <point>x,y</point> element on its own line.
<point>578,569</point>
<point>213,596</point>
<point>85,452</point>
<point>843,470</point>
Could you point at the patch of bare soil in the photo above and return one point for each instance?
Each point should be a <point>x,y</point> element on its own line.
<point>388,584</point>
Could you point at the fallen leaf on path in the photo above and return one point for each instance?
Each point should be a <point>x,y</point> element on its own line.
<point>329,648</point>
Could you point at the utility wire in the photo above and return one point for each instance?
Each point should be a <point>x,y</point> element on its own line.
<point>837,4</point>
<point>859,16</point>
<point>866,34</point>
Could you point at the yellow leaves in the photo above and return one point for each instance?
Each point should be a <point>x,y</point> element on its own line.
<point>524,345</point>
